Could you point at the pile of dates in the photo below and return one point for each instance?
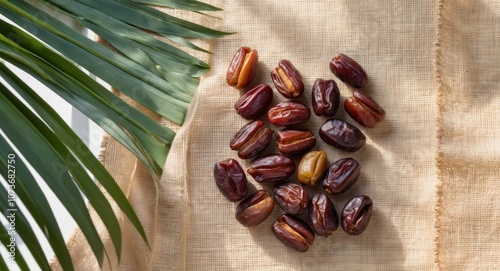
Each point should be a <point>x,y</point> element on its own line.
<point>254,137</point>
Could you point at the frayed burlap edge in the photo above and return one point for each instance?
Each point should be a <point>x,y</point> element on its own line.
<point>439,133</point>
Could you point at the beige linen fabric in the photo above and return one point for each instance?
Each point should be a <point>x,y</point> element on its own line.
<point>469,151</point>
<point>427,215</point>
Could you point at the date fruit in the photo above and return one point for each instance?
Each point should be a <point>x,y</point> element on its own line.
<point>363,109</point>
<point>295,141</point>
<point>324,218</point>
<point>356,215</point>
<point>251,139</point>
<point>291,197</point>
<point>271,168</point>
<point>288,113</point>
<point>255,102</point>
<point>293,232</point>
<point>287,80</point>
<point>325,97</point>
<point>342,135</point>
<point>348,71</point>
<point>230,179</point>
<point>255,209</point>
<point>312,166</point>
<point>341,176</point>
<point>242,68</point>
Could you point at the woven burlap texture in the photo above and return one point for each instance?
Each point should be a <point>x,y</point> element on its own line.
<point>431,167</point>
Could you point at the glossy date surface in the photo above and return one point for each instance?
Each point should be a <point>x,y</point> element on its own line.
<point>230,179</point>
<point>312,167</point>
<point>287,79</point>
<point>342,135</point>
<point>341,176</point>
<point>242,67</point>
<point>348,71</point>
<point>255,209</point>
<point>251,139</point>
<point>271,168</point>
<point>288,113</point>
<point>325,97</point>
<point>324,218</point>
<point>363,109</point>
<point>254,102</point>
<point>356,215</point>
<point>295,141</point>
<point>291,197</point>
<point>293,232</point>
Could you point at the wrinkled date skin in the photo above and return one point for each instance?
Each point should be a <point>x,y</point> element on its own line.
<point>295,141</point>
<point>312,166</point>
<point>287,80</point>
<point>363,109</point>
<point>255,102</point>
<point>230,179</point>
<point>288,113</point>
<point>325,97</point>
<point>342,135</point>
<point>324,218</point>
<point>356,215</point>
<point>251,139</point>
<point>291,197</point>
<point>341,176</point>
<point>243,67</point>
<point>255,209</point>
<point>271,168</point>
<point>293,232</point>
<point>348,71</point>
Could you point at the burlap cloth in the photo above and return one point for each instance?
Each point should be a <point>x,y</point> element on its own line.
<point>432,167</point>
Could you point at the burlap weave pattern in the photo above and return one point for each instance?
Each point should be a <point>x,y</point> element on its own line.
<point>430,167</point>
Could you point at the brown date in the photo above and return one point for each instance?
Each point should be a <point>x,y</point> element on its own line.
<point>324,218</point>
<point>291,197</point>
<point>356,215</point>
<point>341,176</point>
<point>363,109</point>
<point>348,71</point>
<point>271,168</point>
<point>312,166</point>
<point>255,102</point>
<point>293,232</point>
<point>242,68</point>
<point>325,97</point>
<point>230,179</point>
<point>288,113</point>
<point>295,141</point>
<point>255,209</point>
<point>251,139</point>
<point>287,80</point>
<point>342,135</point>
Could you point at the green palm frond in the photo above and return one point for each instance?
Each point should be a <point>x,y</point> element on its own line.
<point>156,74</point>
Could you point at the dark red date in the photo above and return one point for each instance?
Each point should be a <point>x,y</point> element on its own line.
<point>341,176</point>
<point>348,71</point>
<point>356,215</point>
<point>342,135</point>
<point>255,209</point>
<point>363,109</point>
<point>291,197</point>
<point>287,80</point>
<point>251,139</point>
<point>255,102</point>
<point>325,97</point>
<point>230,179</point>
<point>293,232</point>
<point>288,113</point>
<point>295,141</point>
<point>324,218</point>
<point>271,168</point>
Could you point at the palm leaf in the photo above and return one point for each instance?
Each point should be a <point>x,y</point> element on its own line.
<point>156,74</point>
